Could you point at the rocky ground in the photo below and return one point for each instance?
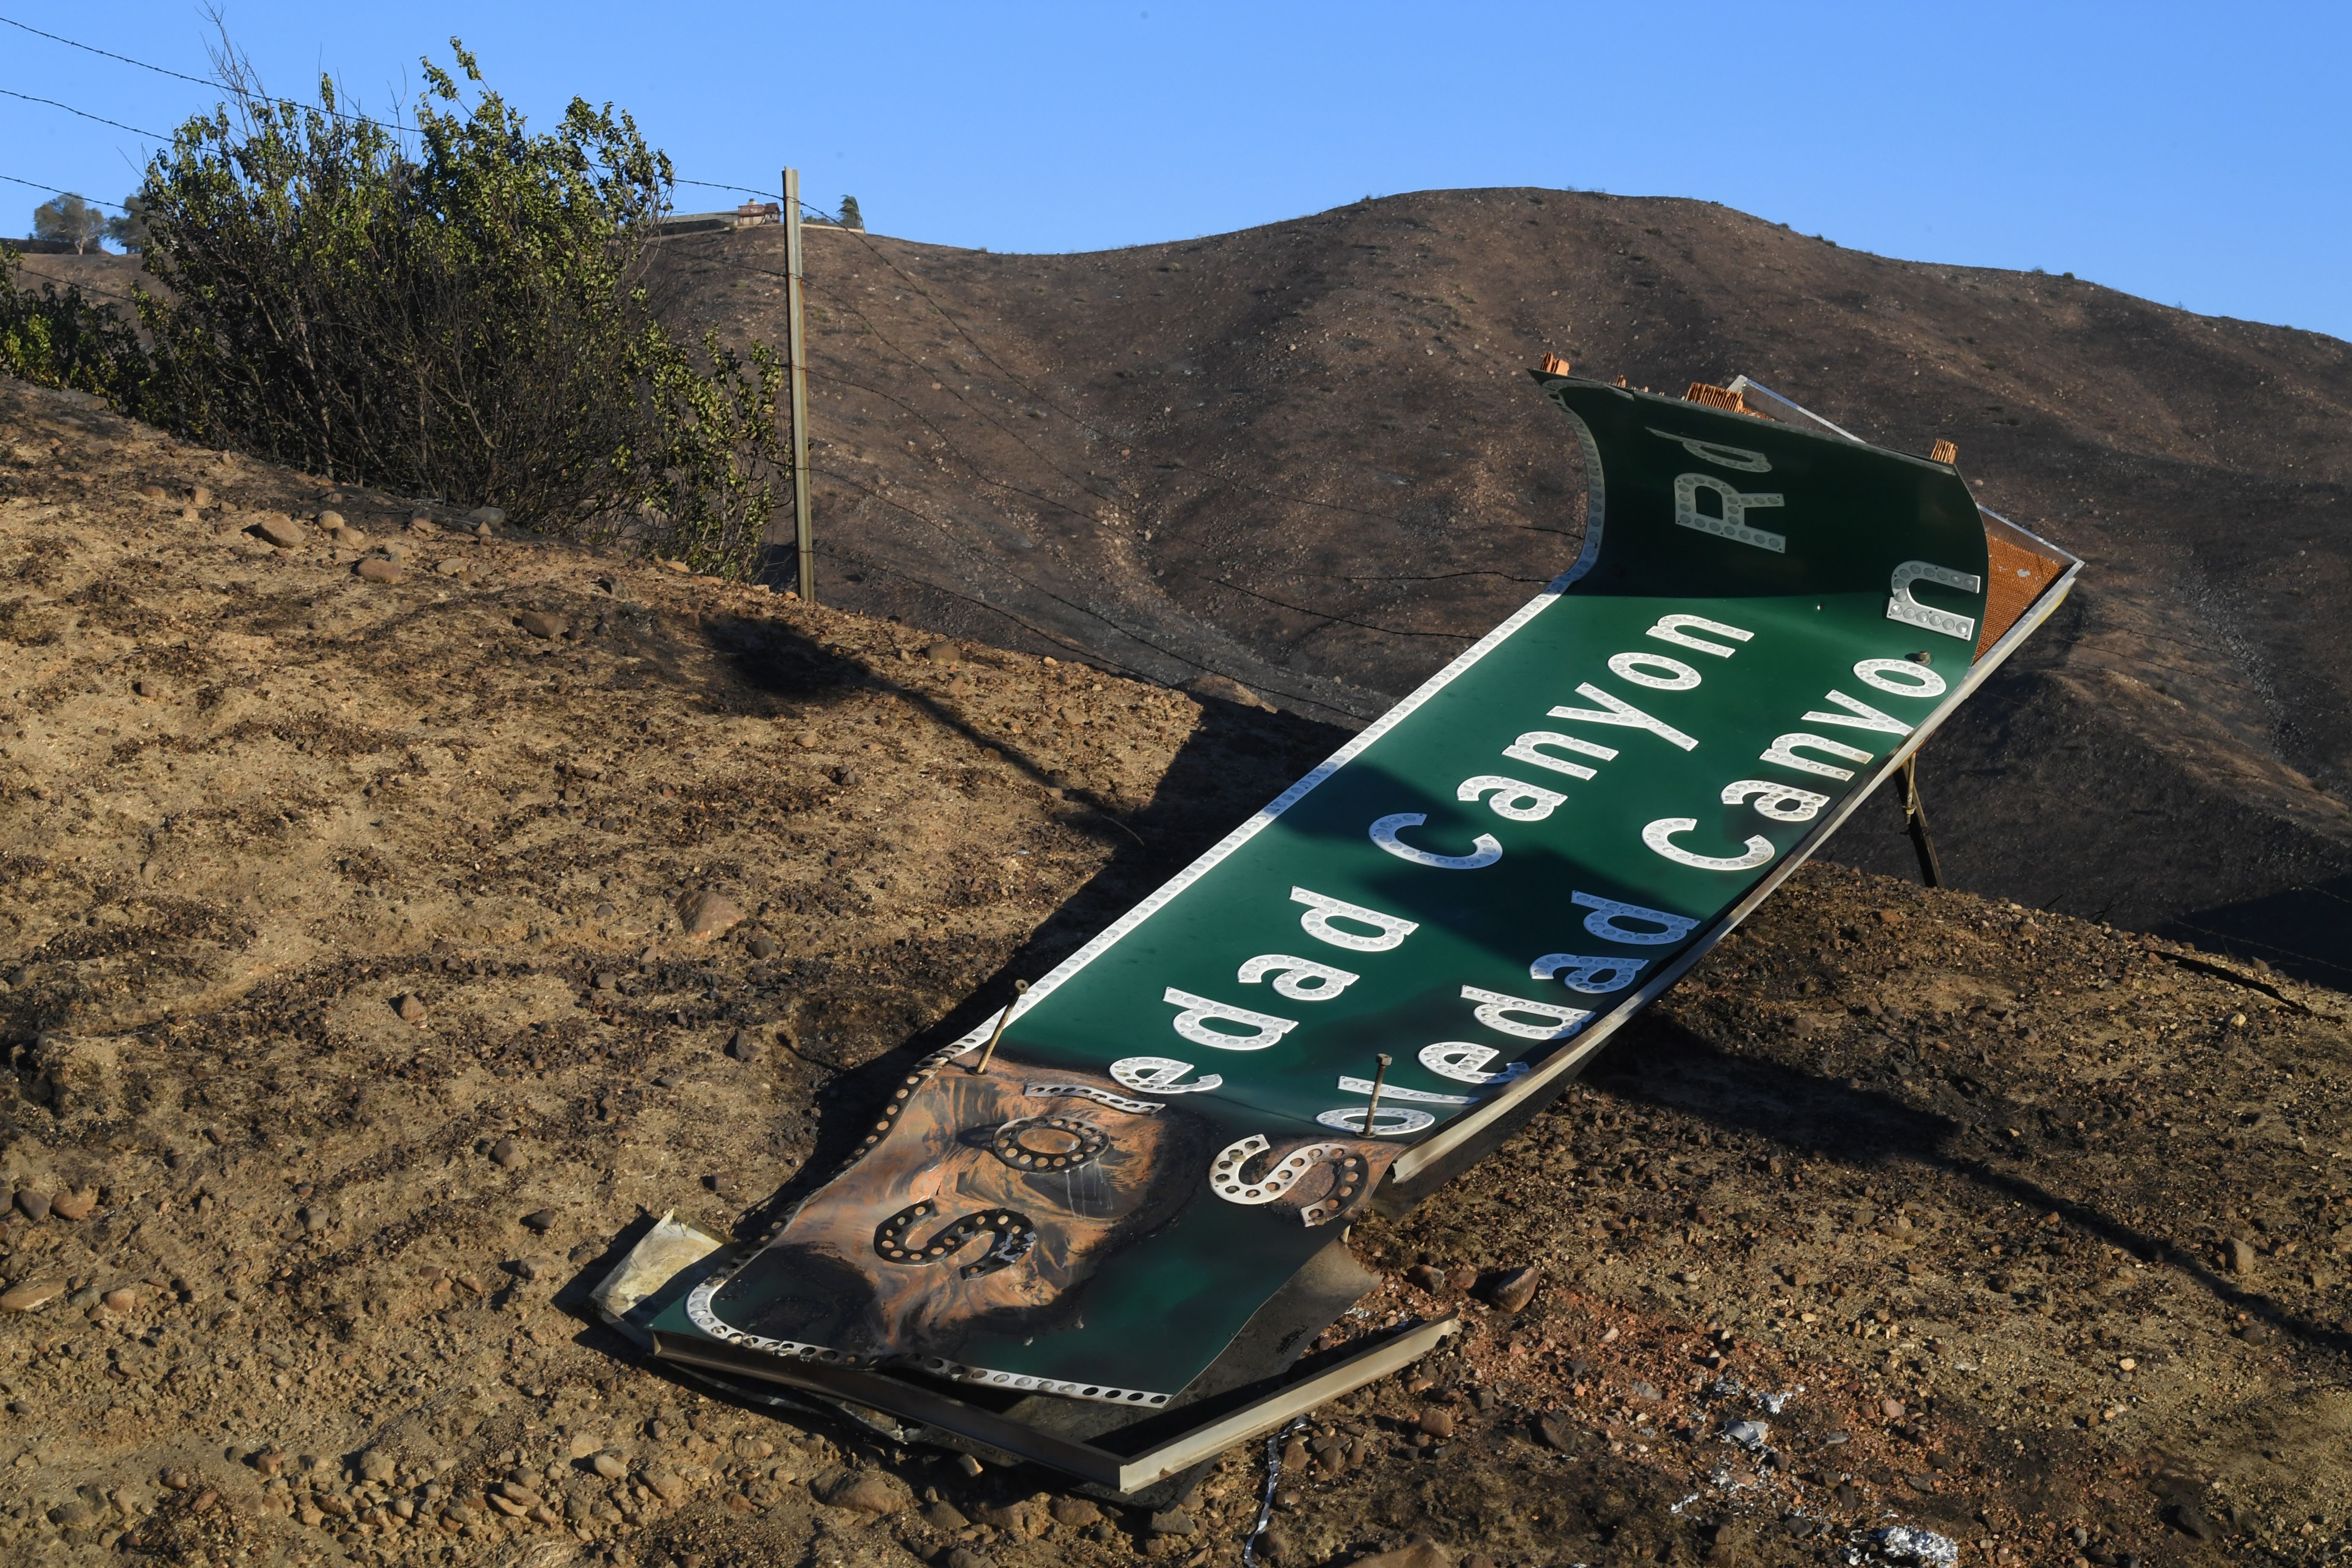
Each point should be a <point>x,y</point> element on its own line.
<point>397,913</point>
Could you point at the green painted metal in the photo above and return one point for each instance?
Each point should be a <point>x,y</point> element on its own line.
<point>1503,859</point>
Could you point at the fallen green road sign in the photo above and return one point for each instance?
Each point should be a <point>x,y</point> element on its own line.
<point>1373,980</point>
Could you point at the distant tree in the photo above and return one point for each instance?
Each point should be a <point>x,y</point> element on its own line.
<point>71,219</point>
<point>850,216</point>
<point>130,230</point>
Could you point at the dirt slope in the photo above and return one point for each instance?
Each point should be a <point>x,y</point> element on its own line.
<point>1305,456</point>
<point>2038,1227</point>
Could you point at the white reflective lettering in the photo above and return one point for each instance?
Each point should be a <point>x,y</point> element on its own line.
<point>1616,710</point>
<point>1714,452</point>
<point>1858,715</point>
<point>1594,977</point>
<point>1394,1120</point>
<point>1735,507</point>
<point>1520,802</point>
<point>1528,748</point>
<point>1157,1075</point>
<point>1545,1020</point>
<point>1416,1096</point>
<point>1486,849</point>
<point>1300,979</point>
<point>1322,913</point>
<point>1660,836</point>
<point>1899,678</point>
<point>1782,803</point>
<point>1676,629</point>
<point>1779,803</point>
<point>1654,670</point>
<point>1783,750</point>
<point>1901,605</point>
<point>1462,1061</point>
<point>1193,1022</point>
<point>1603,922</point>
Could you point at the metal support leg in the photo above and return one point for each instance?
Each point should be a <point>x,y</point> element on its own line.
<point>1914,821</point>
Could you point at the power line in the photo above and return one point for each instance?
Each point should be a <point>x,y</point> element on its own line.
<point>85,113</point>
<point>226,86</point>
<point>60,190</point>
<point>109,53</point>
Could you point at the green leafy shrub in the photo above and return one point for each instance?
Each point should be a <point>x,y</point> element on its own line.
<point>57,338</point>
<point>459,309</point>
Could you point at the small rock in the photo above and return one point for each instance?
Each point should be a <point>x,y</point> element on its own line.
<point>506,1154</point>
<point>487,516</point>
<point>584,1443</point>
<point>145,687</point>
<point>313,1219</point>
<point>33,1206</point>
<point>541,624</point>
<point>540,1220</point>
<point>1925,1547</point>
<point>31,1294</point>
<point>2191,1521</point>
<point>120,1300</point>
<point>765,947</point>
<point>1558,1432</point>
<point>607,980</point>
<point>1514,1290</point>
<point>665,1484</point>
<point>2242,1258</point>
<point>942,653</point>
<point>743,1045</point>
<point>1641,1393</point>
<point>1075,1511</point>
<point>453,567</point>
<point>868,1493</point>
<point>332,521</point>
<point>1891,1408</point>
<point>706,913</point>
<point>1028,1518</point>
<point>283,531</point>
<point>965,1557</point>
<point>526,1268</point>
<point>375,1465</point>
<point>1225,688</point>
<point>1425,1277</point>
<point>376,569</point>
<point>1172,1521</point>
<point>945,1516</point>
<point>1748,1434</point>
<point>411,1008</point>
<point>74,1205</point>
<point>1437,1423</point>
<point>609,1465</point>
<point>83,1298</point>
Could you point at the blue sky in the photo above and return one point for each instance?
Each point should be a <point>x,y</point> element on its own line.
<point>2196,155</point>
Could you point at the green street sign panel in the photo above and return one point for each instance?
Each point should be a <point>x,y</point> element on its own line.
<point>1477,888</point>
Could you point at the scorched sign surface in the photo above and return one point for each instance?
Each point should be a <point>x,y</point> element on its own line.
<point>1179,1115</point>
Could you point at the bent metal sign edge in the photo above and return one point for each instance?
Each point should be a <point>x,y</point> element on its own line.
<point>1174,1119</point>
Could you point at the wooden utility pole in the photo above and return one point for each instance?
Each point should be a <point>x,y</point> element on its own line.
<point>802,537</point>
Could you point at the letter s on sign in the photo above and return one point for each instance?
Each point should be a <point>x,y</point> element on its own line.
<point>1660,836</point>
<point>1384,833</point>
